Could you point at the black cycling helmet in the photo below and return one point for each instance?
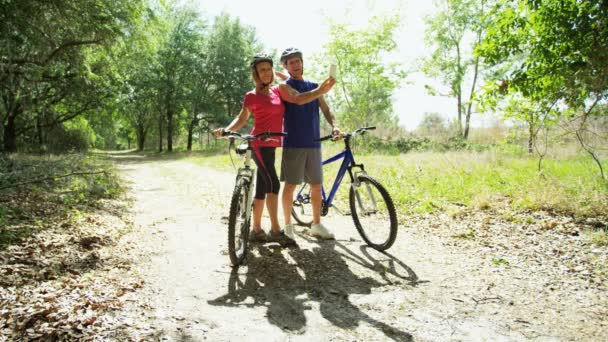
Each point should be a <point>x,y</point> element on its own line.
<point>290,52</point>
<point>259,59</point>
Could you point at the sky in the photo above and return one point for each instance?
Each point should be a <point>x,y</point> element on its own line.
<point>284,23</point>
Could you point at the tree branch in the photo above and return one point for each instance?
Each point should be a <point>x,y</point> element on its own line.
<point>38,180</point>
<point>59,49</point>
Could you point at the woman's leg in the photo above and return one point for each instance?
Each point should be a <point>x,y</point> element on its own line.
<point>272,204</point>
<point>260,195</point>
<point>265,159</point>
<point>258,208</point>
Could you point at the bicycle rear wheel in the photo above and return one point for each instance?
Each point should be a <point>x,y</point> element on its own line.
<point>302,206</point>
<point>239,223</point>
<point>373,212</point>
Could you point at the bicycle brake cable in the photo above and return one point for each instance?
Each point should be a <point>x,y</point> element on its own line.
<point>230,153</point>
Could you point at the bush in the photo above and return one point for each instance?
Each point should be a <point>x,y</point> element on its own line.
<point>73,136</point>
<point>373,144</point>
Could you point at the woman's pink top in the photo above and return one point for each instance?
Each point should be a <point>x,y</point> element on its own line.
<point>267,113</point>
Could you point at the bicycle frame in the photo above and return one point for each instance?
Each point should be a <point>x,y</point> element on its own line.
<point>239,219</point>
<point>365,194</point>
<point>348,163</point>
<point>246,172</point>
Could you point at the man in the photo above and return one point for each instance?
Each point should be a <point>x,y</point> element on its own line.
<point>266,104</point>
<point>301,153</point>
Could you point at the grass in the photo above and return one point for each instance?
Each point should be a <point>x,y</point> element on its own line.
<point>599,238</point>
<point>427,182</point>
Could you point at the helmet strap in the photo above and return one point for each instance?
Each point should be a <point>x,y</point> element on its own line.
<point>264,85</point>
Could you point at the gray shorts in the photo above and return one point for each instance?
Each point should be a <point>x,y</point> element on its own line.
<point>302,164</point>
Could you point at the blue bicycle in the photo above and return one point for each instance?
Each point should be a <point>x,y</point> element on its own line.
<point>371,206</point>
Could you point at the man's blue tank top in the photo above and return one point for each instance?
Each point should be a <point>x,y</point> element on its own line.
<point>301,122</point>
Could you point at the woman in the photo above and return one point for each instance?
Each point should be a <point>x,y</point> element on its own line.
<point>266,105</point>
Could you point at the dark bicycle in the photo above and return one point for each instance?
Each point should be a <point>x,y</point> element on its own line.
<point>371,205</point>
<point>239,219</point>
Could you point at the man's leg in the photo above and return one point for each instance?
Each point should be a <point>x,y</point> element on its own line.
<point>314,173</point>
<point>315,198</point>
<point>292,173</point>
<point>287,200</point>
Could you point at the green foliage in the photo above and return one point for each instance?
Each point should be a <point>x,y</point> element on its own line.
<point>182,75</point>
<point>499,261</point>
<point>557,50</point>
<point>363,95</point>
<point>230,46</point>
<point>49,67</point>
<point>599,238</point>
<point>374,145</point>
<point>550,60</point>
<point>3,214</point>
<point>448,32</point>
<point>73,136</point>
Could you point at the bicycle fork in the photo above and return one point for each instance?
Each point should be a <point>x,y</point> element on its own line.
<point>356,186</point>
<point>248,171</point>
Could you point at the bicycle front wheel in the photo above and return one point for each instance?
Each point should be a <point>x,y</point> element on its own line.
<point>373,212</point>
<point>238,223</point>
<point>302,206</point>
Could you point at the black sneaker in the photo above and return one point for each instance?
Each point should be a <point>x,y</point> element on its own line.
<point>257,236</point>
<point>281,238</point>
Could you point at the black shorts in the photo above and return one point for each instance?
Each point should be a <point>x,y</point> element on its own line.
<point>267,181</point>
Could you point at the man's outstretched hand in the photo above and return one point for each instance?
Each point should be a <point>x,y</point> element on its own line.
<point>326,86</point>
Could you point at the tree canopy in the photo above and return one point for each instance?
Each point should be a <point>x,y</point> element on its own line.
<point>364,93</point>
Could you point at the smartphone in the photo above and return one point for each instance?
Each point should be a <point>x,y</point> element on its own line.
<point>332,70</point>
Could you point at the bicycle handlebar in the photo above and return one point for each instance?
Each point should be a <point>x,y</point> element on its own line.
<point>262,136</point>
<point>356,132</point>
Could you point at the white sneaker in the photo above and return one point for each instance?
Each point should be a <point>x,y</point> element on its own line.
<point>289,231</point>
<point>320,231</point>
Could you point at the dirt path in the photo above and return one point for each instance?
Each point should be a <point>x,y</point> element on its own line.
<point>428,287</point>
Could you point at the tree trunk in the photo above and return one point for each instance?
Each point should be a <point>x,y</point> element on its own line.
<point>459,101</point>
<point>141,140</point>
<point>190,134</point>
<point>470,105</point>
<point>459,88</point>
<point>467,123</point>
<point>160,132</point>
<point>169,130</point>
<point>39,131</point>
<point>531,134</point>
<point>10,134</point>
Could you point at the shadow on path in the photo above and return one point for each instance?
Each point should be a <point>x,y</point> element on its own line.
<point>286,281</point>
